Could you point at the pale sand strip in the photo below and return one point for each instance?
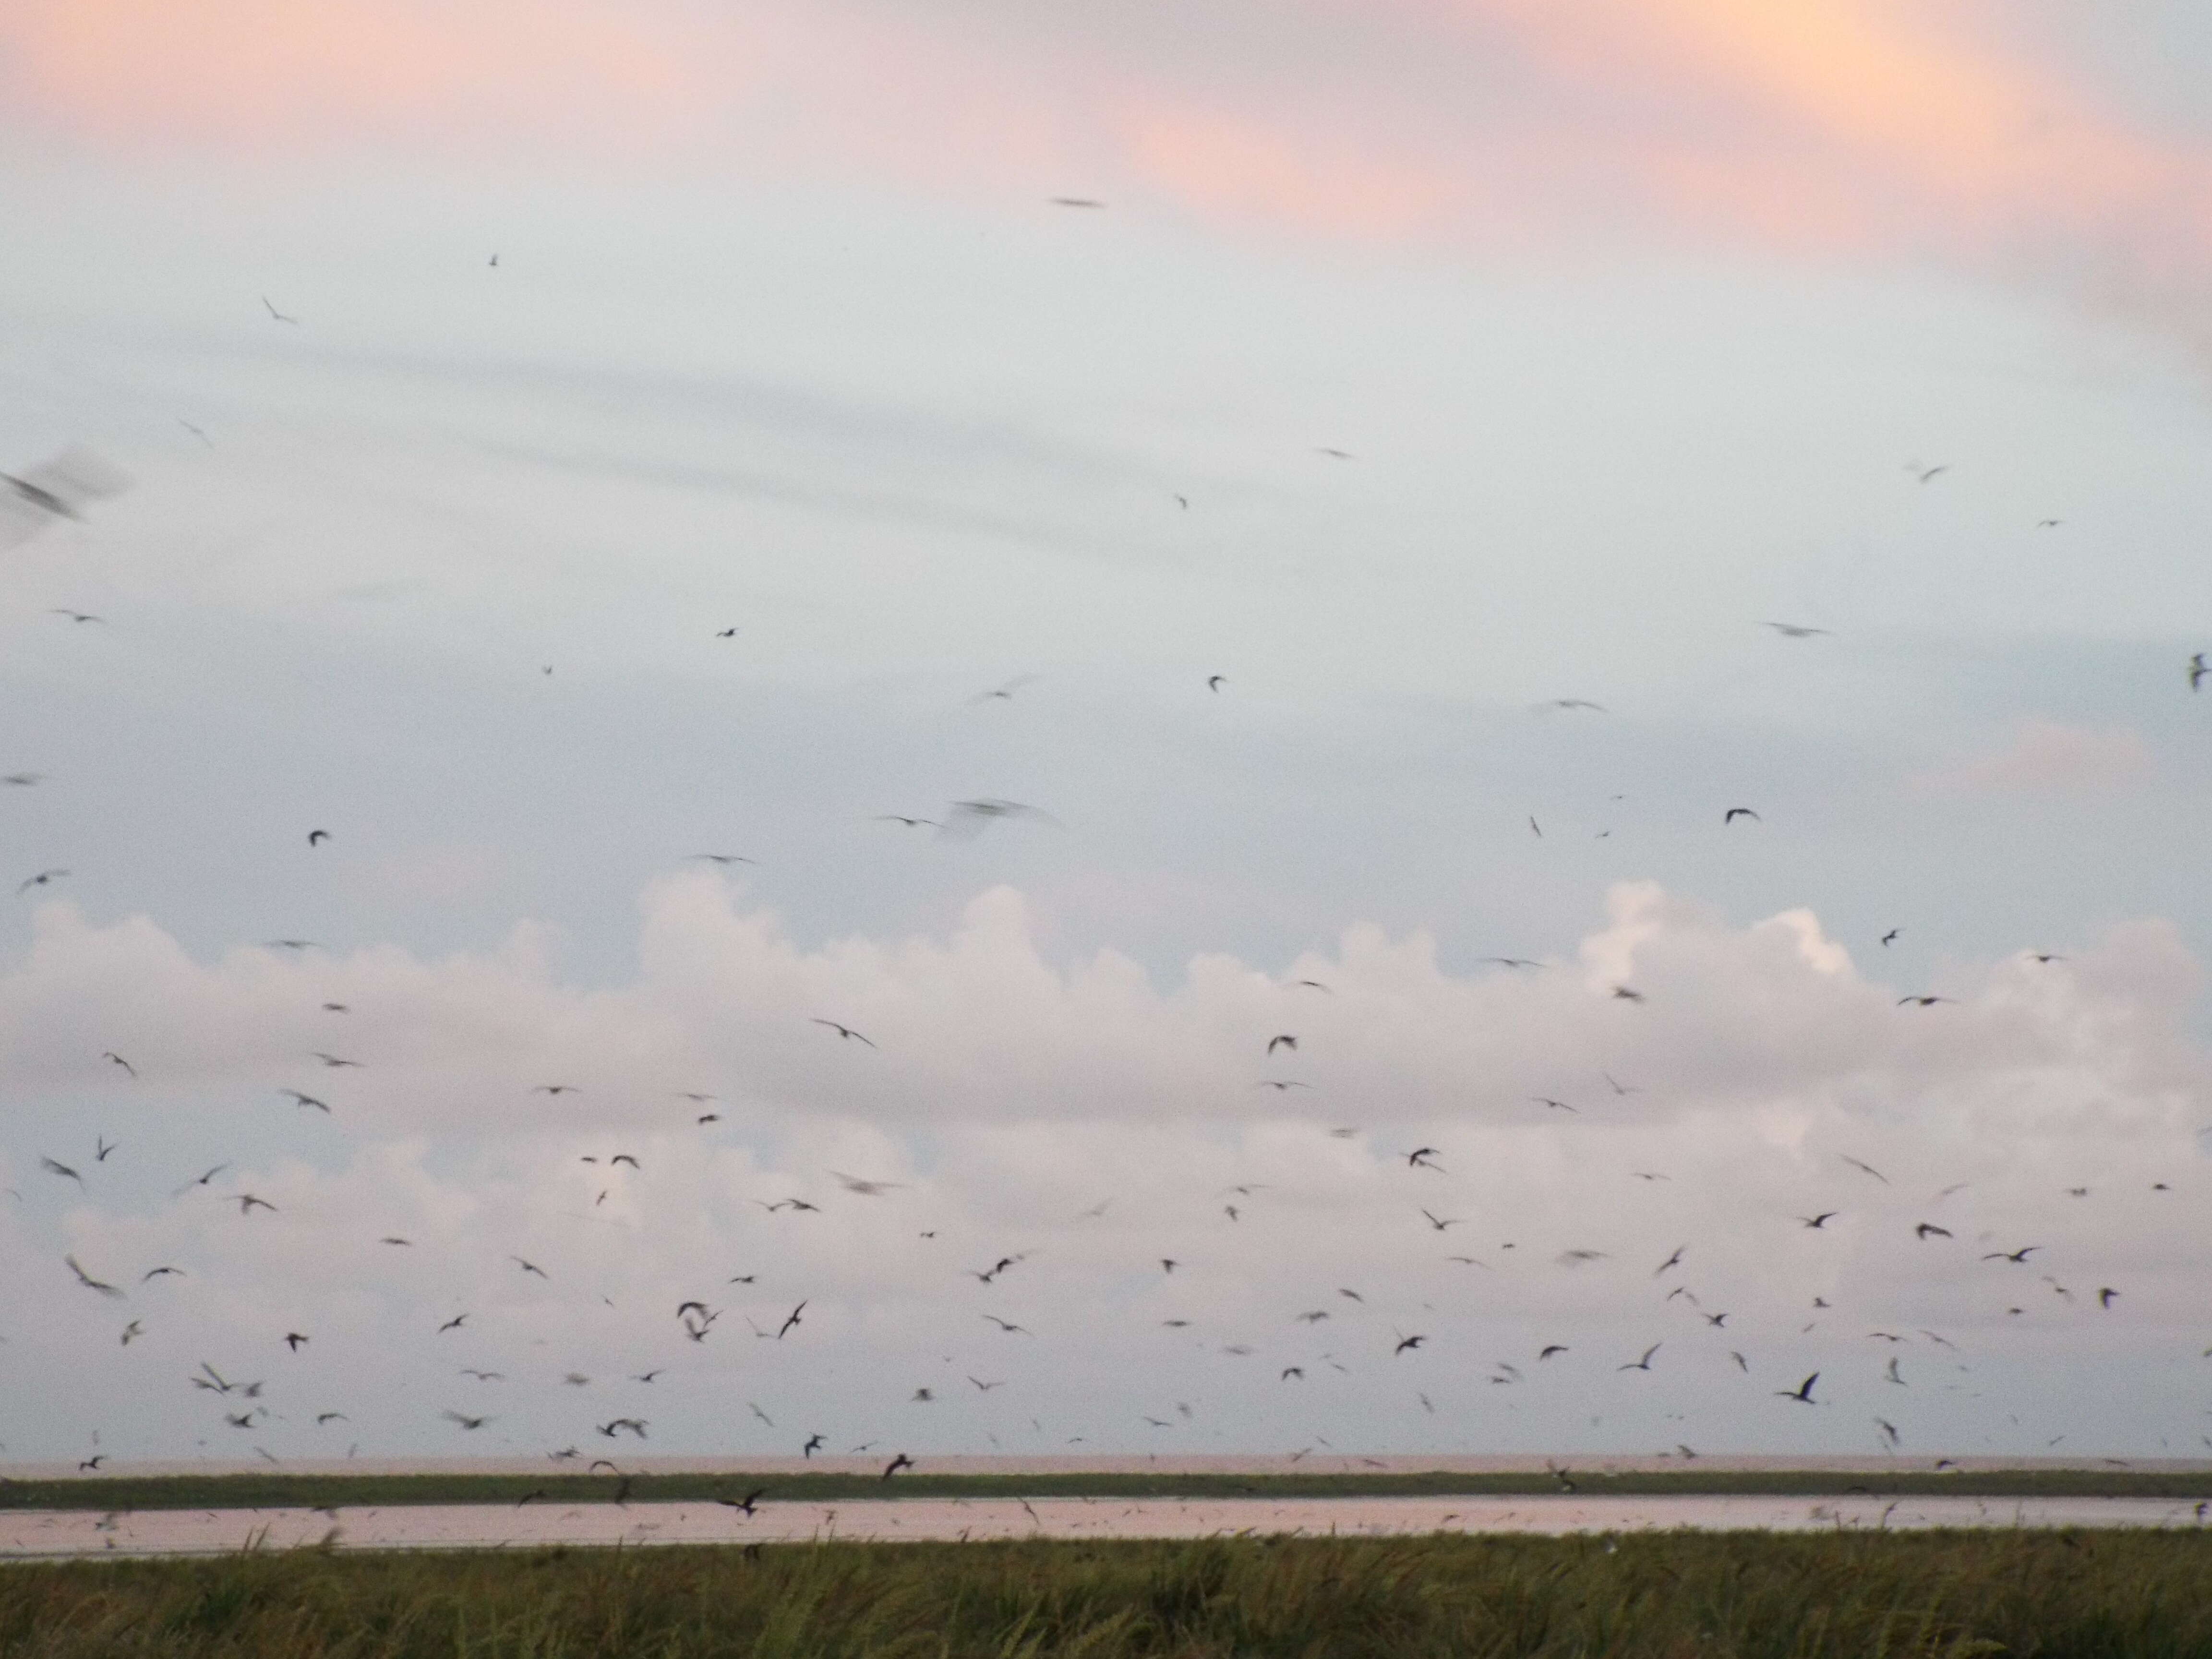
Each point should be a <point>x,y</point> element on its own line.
<point>33,1534</point>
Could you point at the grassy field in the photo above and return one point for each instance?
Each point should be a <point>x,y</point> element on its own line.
<point>278,1490</point>
<point>2142,1594</point>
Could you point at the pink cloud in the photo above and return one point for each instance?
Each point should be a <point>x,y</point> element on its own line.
<point>1828,125</point>
<point>2048,757</point>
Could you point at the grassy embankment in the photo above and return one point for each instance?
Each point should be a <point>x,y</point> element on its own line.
<point>276,1490</point>
<point>2079,1596</point>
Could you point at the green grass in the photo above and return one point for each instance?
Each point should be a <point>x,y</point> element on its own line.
<point>2084,1596</point>
<point>277,1491</point>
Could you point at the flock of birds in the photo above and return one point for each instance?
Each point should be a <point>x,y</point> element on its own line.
<point>241,1403</point>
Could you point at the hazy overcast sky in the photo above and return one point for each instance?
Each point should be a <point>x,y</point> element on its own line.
<point>1425,363</point>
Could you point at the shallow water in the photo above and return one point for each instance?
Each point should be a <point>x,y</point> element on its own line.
<point>36,1533</point>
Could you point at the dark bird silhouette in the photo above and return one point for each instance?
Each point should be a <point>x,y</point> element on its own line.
<point>317,837</point>
<point>1076,202</point>
<point>1929,1230</point>
<point>911,823</point>
<point>1623,994</point>
<point>452,1324</point>
<point>1817,1222</point>
<point>248,1203</point>
<point>528,1267</point>
<point>1284,1040</point>
<point>1551,1348</point>
<point>464,1420</point>
<point>294,1340</point>
<point>1419,1157</point>
<point>54,1167</point>
<point>790,1320</point>
<point>726,634</point>
<point>967,818</point>
<point>1803,1393</point>
<point>2019,1257</point>
<point>634,1425</point>
<point>302,1100</point>
<point>1406,1342</point>
<point>1924,1002</point>
<point>1279,1085</point>
<point>901,1461</point>
<point>77,615</point>
<point>1890,937</point>
<point>44,877</point>
<point>114,1058</point>
<point>2197,670</point>
<point>1440,1222</point>
<point>275,314</point>
<point>721,857</point>
<point>1556,1105</point>
<point>1867,1169</point>
<point>1673,1260</point>
<point>813,1445</point>
<point>843,1032</point>
<point>89,1282</point>
<point>746,1504</point>
<point>1925,473</point>
<point>336,1062</point>
<point>2107,1296</point>
<point>1215,682</point>
<point>1793,631</point>
<point>1644,1364</point>
<point>160,1273</point>
<point>1736,812</point>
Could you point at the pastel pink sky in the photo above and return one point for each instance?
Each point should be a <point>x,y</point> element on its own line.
<point>1850,126</point>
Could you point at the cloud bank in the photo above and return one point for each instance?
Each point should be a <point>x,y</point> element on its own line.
<point>1085,1127</point>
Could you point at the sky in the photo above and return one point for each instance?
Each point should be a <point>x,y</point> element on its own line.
<point>1369,449</point>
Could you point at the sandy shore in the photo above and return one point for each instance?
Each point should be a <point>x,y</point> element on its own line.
<point>43,1534</point>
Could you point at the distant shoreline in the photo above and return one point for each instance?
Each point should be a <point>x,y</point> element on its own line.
<point>788,1479</point>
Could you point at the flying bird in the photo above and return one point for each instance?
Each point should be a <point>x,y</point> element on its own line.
<point>1284,1040</point>
<point>89,1282</point>
<point>53,1167</point>
<point>1794,631</point>
<point>790,1320</point>
<point>1923,1001</point>
<point>901,1461</point>
<point>1929,1230</point>
<point>317,837</point>
<point>967,818</point>
<point>2197,670</point>
<point>114,1058</point>
<point>43,878</point>
<point>1803,1393</point>
<point>58,489</point>
<point>1644,1364</point>
<point>843,1032</point>
<point>277,314</point>
<point>1890,937</point>
<point>1817,1222</point>
<point>1867,1169</point>
<point>1736,812</point>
